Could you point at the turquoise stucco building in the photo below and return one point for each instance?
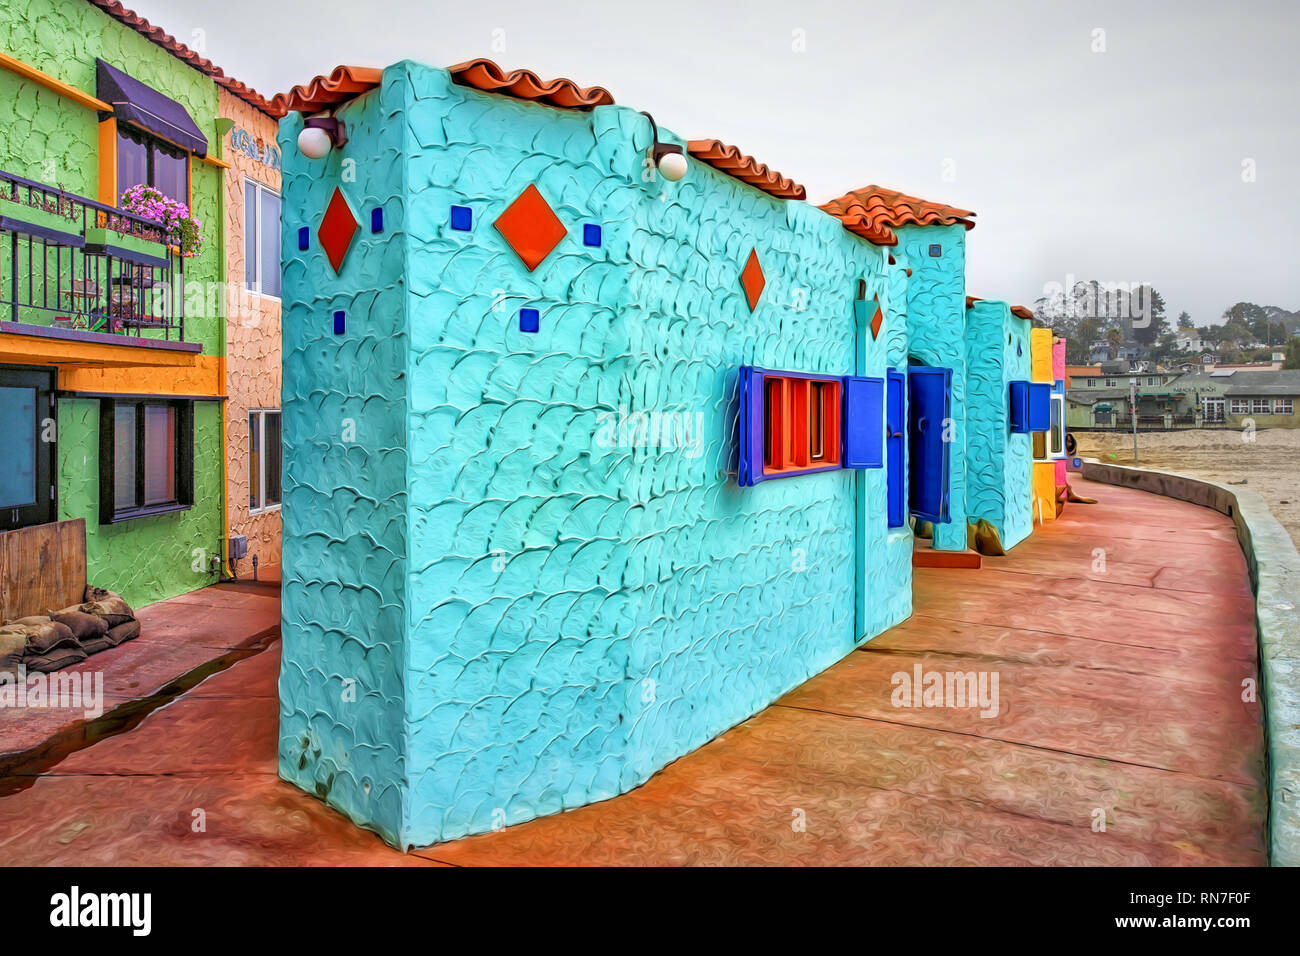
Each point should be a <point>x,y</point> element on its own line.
<point>584,465</point>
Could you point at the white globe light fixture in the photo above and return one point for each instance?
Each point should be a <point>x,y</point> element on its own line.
<point>668,158</point>
<point>314,142</point>
<point>319,135</point>
<point>672,166</point>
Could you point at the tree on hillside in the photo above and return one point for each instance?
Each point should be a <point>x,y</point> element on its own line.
<point>1114,338</point>
<point>1155,303</point>
<point>1292,353</point>
<point>1236,332</point>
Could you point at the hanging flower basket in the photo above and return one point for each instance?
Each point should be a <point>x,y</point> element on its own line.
<point>49,220</point>
<point>125,245</point>
<point>180,228</point>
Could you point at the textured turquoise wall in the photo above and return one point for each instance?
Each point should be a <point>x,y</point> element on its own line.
<point>936,316</point>
<point>343,717</point>
<point>998,464</point>
<point>536,613</point>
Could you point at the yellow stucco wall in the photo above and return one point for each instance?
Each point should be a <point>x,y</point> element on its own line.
<point>252,338</point>
<point>1040,352</point>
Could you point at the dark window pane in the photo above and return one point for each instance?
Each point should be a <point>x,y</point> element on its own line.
<point>250,235</point>
<point>271,457</point>
<point>124,418</point>
<point>159,454</point>
<point>132,163</point>
<point>18,464</point>
<point>171,175</point>
<point>254,461</point>
<point>269,226</point>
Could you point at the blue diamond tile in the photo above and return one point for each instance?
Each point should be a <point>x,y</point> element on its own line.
<point>304,236</point>
<point>377,220</point>
<point>936,251</point>
<point>462,218</point>
<point>338,322</point>
<point>591,234</point>
<point>529,320</point>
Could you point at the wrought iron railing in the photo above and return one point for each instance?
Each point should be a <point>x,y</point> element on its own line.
<point>68,262</point>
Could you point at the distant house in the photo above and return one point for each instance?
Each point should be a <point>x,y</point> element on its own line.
<point>1265,398</point>
<point>1191,341</point>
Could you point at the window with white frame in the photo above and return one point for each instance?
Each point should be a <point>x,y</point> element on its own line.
<point>1240,406</point>
<point>1111,383</point>
<point>1283,406</point>
<point>1261,406</point>
<point>263,459</point>
<point>261,238</point>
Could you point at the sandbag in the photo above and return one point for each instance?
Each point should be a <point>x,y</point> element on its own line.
<point>108,606</point>
<point>33,619</point>
<point>123,633</point>
<point>84,626</point>
<point>13,645</point>
<point>57,658</point>
<point>43,638</point>
<point>97,645</point>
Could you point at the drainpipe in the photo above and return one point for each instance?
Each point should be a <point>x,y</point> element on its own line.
<point>223,126</point>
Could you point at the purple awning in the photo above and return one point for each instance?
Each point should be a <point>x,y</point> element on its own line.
<point>140,105</point>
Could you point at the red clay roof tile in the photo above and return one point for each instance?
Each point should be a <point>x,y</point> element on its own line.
<point>179,50</point>
<point>871,211</point>
<point>483,74</point>
<point>747,169</point>
<point>341,84</point>
<point>345,82</point>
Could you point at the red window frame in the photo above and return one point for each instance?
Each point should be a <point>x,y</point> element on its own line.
<point>797,411</point>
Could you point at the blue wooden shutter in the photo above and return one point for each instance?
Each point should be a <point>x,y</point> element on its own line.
<point>1019,401</point>
<point>929,390</point>
<point>1040,407</point>
<point>895,443</point>
<point>864,417</point>
<point>751,424</point>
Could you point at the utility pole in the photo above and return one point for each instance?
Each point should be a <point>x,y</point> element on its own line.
<point>1133,414</point>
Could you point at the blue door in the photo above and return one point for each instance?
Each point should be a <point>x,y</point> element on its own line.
<point>895,392</point>
<point>929,391</point>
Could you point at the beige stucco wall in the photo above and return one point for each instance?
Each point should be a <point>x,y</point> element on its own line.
<point>252,339</point>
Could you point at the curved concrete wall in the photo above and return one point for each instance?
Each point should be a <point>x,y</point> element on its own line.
<point>1275,575</point>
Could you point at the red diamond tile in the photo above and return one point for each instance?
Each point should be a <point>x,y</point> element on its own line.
<point>878,319</point>
<point>337,229</point>
<point>530,227</point>
<point>752,280</point>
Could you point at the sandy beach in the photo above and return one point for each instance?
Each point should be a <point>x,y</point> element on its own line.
<point>1268,465</point>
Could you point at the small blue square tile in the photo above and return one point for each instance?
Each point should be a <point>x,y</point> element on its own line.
<point>462,218</point>
<point>591,234</point>
<point>377,220</point>
<point>304,235</point>
<point>529,320</point>
<point>338,323</point>
<point>936,251</point>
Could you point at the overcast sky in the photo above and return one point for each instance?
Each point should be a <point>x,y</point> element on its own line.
<point>1119,156</point>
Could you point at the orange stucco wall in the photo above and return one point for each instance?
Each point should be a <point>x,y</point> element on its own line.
<point>252,339</point>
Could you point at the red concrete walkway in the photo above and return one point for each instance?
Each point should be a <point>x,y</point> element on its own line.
<point>1119,696</point>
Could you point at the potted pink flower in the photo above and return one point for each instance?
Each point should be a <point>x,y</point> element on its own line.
<point>180,228</point>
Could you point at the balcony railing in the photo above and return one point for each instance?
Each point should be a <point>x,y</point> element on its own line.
<point>68,262</point>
